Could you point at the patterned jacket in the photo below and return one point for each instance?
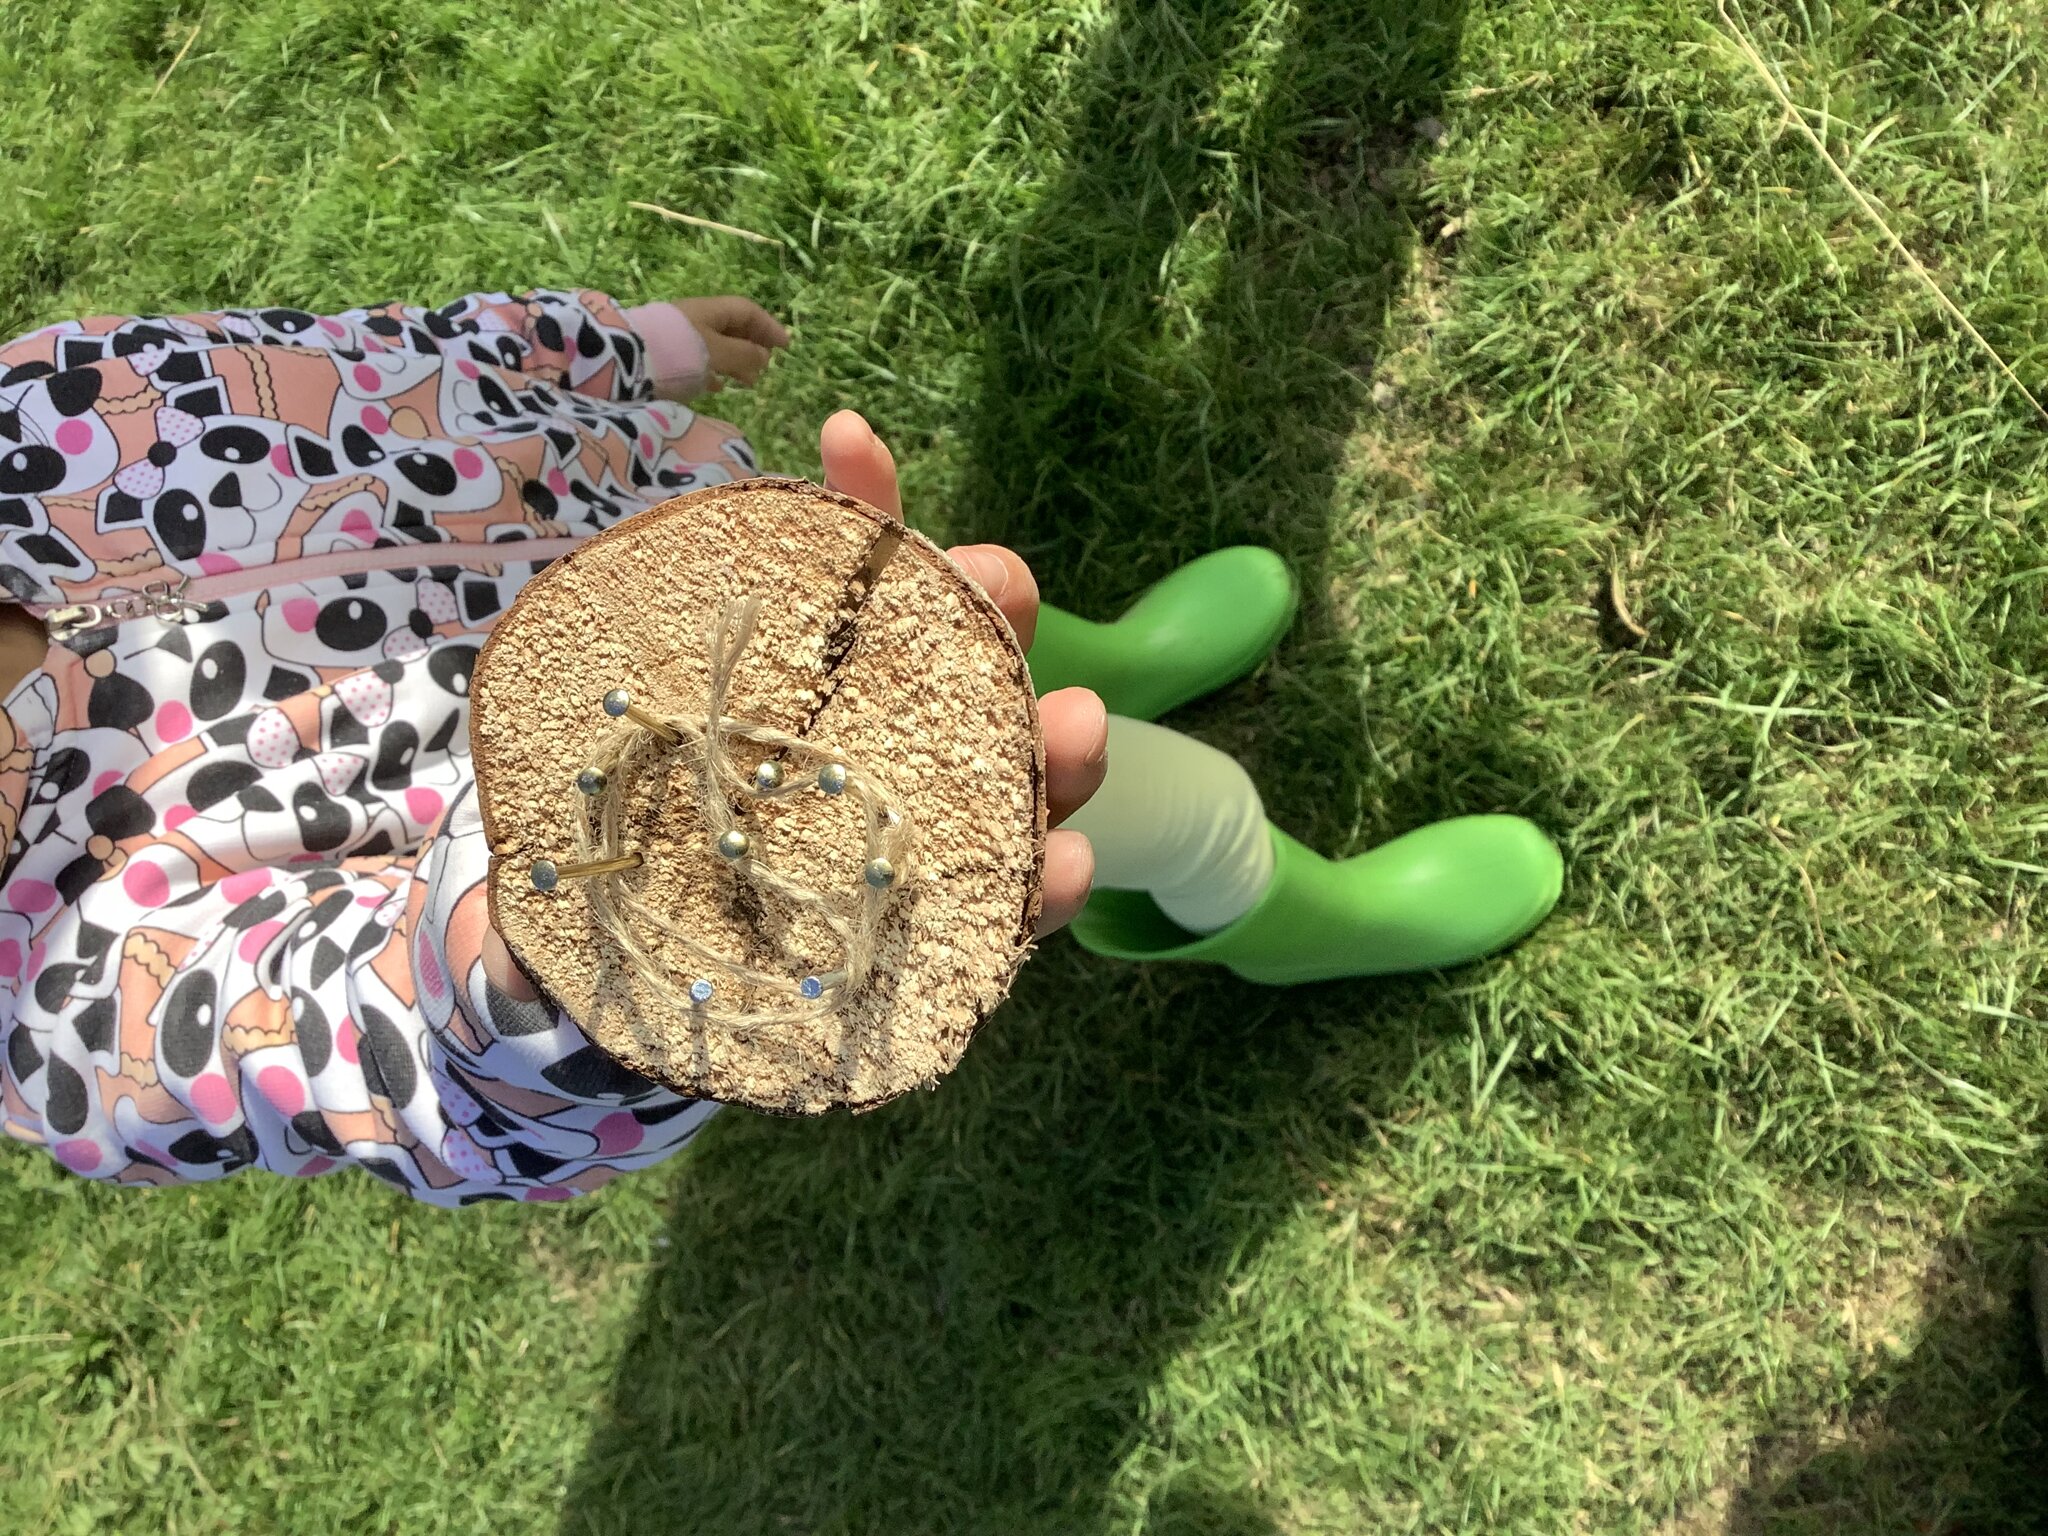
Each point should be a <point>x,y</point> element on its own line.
<point>242,914</point>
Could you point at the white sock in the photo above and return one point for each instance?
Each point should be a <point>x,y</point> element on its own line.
<point>1180,821</point>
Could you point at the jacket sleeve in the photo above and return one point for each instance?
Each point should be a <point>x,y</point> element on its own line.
<point>176,1027</point>
<point>580,340</point>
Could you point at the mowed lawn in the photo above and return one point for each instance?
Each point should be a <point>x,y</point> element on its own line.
<point>1706,1209</point>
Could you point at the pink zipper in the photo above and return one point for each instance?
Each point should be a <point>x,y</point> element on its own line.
<point>183,602</point>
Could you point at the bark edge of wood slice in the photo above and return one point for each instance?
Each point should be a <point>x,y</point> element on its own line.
<point>870,639</point>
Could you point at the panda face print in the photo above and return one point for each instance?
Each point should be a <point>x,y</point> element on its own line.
<point>288,322</point>
<point>356,622</point>
<point>52,440</point>
<point>219,490</point>
<point>163,347</point>
<point>345,628</point>
<point>477,398</point>
<point>314,809</point>
<point>76,787</point>
<point>492,346</point>
<point>588,351</point>
<point>312,821</point>
<point>675,475</point>
<point>238,467</point>
<point>356,521</point>
<point>381,373</point>
<point>34,545</point>
<point>599,500</point>
<point>437,474</point>
<point>449,667</point>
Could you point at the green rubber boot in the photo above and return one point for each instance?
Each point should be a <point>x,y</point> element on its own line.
<point>1206,624</point>
<point>1439,896</point>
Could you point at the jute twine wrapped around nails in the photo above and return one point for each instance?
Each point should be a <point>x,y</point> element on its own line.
<point>769,622</point>
<point>641,933</point>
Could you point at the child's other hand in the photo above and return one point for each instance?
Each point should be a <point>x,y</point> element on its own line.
<point>739,334</point>
<point>1076,725</point>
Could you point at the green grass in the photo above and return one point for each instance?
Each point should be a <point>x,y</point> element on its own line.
<point>1705,1209</point>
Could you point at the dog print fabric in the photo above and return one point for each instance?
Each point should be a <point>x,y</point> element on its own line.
<point>242,916</point>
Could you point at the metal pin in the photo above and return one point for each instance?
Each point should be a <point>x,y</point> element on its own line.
<point>701,991</point>
<point>814,987</point>
<point>592,781</point>
<point>547,874</point>
<point>619,703</point>
<point>768,778</point>
<point>880,874</point>
<point>832,779</point>
<point>734,845</point>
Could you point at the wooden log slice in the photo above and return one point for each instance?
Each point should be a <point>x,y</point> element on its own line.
<point>870,640</point>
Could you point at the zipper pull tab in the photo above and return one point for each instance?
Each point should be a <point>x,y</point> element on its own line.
<point>63,623</point>
<point>169,603</point>
<point>159,600</point>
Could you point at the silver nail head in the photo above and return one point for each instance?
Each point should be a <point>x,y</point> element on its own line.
<point>733,845</point>
<point>701,991</point>
<point>811,987</point>
<point>617,702</point>
<point>832,779</point>
<point>592,781</point>
<point>768,777</point>
<point>880,874</point>
<point>544,875</point>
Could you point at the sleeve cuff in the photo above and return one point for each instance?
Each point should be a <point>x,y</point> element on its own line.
<point>678,362</point>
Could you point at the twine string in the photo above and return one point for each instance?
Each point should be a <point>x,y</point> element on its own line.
<point>645,936</point>
<point>1797,116</point>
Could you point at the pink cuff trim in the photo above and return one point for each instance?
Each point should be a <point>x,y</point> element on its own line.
<point>678,362</point>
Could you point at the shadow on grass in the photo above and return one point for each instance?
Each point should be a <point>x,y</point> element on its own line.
<point>1947,1440</point>
<point>963,1313</point>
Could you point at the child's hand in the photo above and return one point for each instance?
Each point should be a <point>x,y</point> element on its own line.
<point>740,335</point>
<point>1076,725</point>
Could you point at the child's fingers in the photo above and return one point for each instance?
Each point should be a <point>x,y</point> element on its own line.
<point>1008,582</point>
<point>1069,871</point>
<point>737,359</point>
<point>858,463</point>
<point>757,325</point>
<point>731,315</point>
<point>1076,730</point>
